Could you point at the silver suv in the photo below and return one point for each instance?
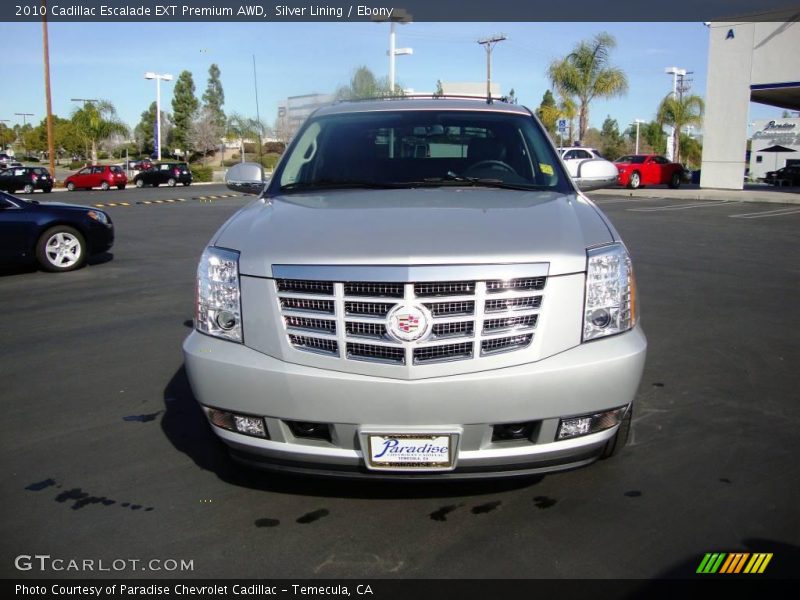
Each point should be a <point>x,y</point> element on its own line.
<point>419,291</point>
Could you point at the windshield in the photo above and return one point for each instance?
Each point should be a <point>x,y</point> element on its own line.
<point>632,159</point>
<point>417,148</point>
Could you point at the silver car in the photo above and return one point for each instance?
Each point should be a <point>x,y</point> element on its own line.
<point>419,291</point>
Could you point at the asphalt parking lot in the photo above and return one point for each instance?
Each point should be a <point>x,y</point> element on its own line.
<point>107,456</point>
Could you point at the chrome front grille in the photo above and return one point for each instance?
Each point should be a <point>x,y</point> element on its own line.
<point>471,320</point>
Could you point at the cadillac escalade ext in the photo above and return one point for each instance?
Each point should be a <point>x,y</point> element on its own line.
<point>419,291</point>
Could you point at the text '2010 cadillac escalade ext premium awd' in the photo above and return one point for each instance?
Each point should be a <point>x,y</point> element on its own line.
<point>420,291</point>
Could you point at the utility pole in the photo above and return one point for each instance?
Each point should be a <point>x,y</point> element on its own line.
<point>489,44</point>
<point>638,122</point>
<point>51,146</point>
<point>24,124</point>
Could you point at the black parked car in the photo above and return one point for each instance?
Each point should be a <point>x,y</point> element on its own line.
<point>26,179</point>
<point>60,237</point>
<point>170,173</point>
<point>789,175</point>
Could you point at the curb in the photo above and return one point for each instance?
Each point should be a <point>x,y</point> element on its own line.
<point>754,196</point>
<point>202,199</point>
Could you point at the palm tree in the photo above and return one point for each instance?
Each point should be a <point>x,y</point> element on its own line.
<point>97,121</point>
<point>242,128</point>
<point>679,112</point>
<point>585,74</point>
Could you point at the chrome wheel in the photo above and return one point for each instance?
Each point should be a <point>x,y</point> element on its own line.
<point>63,250</point>
<point>635,181</point>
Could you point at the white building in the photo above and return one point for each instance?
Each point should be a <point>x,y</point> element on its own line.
<point>747,61</point>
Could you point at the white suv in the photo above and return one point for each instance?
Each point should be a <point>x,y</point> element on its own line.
<point>419,291</point>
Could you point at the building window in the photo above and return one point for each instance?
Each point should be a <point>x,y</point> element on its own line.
<point>759,159</point>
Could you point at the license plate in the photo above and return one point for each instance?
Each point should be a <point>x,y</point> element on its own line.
<point>411,451</point>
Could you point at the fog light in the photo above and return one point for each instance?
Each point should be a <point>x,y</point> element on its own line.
<point>513,431</point>
<point>600,318</point>
<point>307,429</point>
<point>250,425</point>
<point>577,426</point>
<point>226,320</point>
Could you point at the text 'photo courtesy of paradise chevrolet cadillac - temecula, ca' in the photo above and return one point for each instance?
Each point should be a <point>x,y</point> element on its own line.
<point>420,291</point>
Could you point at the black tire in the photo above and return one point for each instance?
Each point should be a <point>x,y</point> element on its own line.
<point>105,186</point>
<point>120,187</point>
<point>139,183</point>
<point>47,190</point>
<point>675,181</point>
<point>70,187</point>
<point>635,181</point>
<point>28,189</point>
<point>615,445</point>
<point>51,259</point>
<point>171,182</point>
<point>186,184</point>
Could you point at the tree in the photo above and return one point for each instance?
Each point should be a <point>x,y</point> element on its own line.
<point>97,121</point>
<point>512,97</point>
<point>612,143</point>
<point>439,89</point>
<point>144,132</point>
<point>214,97</point>
<point>548,112</point>
<point>678,112</point>
<point>243,128</point>
<point>184,110</point>
<point>205,134</point>
<point>586,74</point>
<point>692,150</point>
<point>364,84</point>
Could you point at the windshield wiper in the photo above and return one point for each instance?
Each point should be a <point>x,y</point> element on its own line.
<point>334,184</point>
<point>455,179</point>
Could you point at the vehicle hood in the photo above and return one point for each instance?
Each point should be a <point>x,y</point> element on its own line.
<point>415,227</point>
<point>65,206</point>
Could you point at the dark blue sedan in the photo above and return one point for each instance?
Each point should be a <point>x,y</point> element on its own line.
<point>60,237</point>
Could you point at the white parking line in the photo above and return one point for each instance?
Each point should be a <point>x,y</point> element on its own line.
<point>680,206</point>
<point>778,212</point>
<point>621,200</point>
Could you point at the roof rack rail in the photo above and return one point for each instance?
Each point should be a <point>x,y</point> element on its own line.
<point>488,100</point>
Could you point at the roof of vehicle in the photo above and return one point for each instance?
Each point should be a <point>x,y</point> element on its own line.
<point>565,148</point>
<point>428,103</point>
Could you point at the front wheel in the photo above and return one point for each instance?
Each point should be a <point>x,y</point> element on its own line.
<point>139,183</point>
<point>28,189</point>
<point>635,180</point>
<point>186,184</point>
<point>104,186</point>
<point>675,181</point>
<point>61,248</point>
<point>71,187</point>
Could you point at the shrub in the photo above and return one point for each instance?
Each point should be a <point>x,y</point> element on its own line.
<point>201,173</point>
<point>229,162</point>
<point>77,164</point>
<point>270,160</point>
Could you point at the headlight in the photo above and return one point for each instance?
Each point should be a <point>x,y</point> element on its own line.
<point>218,308</point>
<point>610,302</point>
<point>98,216</point>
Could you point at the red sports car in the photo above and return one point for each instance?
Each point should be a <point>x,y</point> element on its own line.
<point>101,176</point>
<point>636,170</point>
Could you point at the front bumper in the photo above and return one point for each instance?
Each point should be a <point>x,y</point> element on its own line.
<point>592,377</point>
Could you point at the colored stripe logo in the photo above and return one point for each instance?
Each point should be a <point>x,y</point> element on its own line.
<point>734,562</point>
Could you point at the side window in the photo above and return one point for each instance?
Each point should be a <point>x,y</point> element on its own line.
<point>18,172</point>
<point>570,155</point>
<point>164,167</point>
<point>584,154</point>
<point>84,171</point>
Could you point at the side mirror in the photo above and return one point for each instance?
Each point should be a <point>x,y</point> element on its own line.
<point>247,178</point>
<point>595,173</point>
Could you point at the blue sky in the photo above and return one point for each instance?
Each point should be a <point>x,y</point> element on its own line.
<point>108,61</point>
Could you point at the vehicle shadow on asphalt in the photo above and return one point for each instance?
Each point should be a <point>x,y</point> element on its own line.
<point>187,428</point>
<point>92,261</point>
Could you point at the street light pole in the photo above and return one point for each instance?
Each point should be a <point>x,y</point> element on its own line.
<point>398,16</point>
<point>159,77</point>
